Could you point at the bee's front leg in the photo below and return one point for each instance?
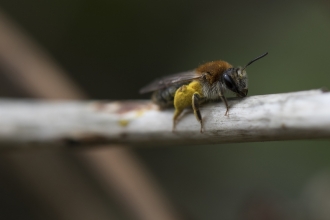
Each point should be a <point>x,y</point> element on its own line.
<point>196,100</point>
<point>223,98</point>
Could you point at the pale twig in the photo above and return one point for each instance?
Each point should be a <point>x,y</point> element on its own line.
<point>288,116</point>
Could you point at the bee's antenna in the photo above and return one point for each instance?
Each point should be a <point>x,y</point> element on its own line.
<point>252,61</point>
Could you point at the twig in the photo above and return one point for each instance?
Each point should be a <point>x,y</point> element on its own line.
<point>299,115</point>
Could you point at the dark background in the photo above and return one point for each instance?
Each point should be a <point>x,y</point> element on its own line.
<point>113,48</point>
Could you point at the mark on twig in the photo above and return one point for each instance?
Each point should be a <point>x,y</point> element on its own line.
<point>124,107</point>
<point>84,139</point>
<point>123,122</point>
<point>324,89</point>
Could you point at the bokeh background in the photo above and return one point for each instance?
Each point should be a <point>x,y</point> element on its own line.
<point>110,49</point>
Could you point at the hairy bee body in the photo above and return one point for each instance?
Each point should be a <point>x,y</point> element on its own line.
<point>211,80</point>
<point>209,89</point>
<point>208,82</point>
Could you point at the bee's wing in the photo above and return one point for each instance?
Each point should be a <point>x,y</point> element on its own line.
<point>167,81</point>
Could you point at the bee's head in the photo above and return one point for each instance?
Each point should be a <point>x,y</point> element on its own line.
<point>236,79</point>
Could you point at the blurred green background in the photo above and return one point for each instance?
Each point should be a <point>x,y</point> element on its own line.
<point>113,48</point>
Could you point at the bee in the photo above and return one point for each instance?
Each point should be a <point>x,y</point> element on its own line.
<point>209,81</point>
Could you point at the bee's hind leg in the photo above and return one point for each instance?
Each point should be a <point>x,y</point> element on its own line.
<point>177,113</point>
<point>196,100</point>
<point>180,103</point>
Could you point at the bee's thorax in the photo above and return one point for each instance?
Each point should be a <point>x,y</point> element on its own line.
<point>211,91</point>
<point>213,70</point>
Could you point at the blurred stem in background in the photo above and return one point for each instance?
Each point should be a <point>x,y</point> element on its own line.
<point>52,177</point>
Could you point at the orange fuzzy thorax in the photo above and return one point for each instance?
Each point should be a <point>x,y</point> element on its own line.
<point>215,68</point>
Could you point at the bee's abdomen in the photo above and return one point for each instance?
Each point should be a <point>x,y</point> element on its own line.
<point>165,97</point>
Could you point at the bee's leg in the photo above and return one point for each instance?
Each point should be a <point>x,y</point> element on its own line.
<point>223,98</point>
<point>196,100</point>
<point>176,115</point>
<point>179,104</point>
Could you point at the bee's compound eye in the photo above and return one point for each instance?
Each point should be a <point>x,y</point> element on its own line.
<point>229,82</point>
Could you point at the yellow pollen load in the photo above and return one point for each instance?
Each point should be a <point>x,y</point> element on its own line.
<point>183,96</point>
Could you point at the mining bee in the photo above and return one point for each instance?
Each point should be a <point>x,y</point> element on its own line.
<point>209,81</point>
